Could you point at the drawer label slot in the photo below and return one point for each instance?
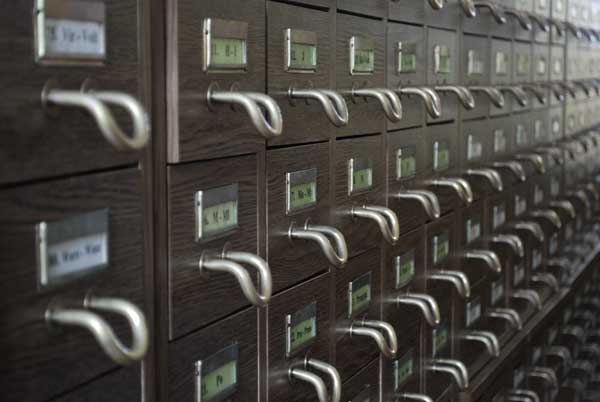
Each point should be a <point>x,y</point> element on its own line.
<point>301,328</point>
<point>404,266</point>
<point>300,51</point>
<point>360,175</point>
<point>406,162</point>
<point>403,369</point>
<point>359,294</point>
<point>217,376</point>
<point>216,211</point>
<point>441,246</point>
<point>301,190</point>
<point>362,56</point>
<point>225,45</point>
<point>472,312</point>
<point>407,58</point>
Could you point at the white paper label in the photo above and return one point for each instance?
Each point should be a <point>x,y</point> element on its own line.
<point>78,254</point>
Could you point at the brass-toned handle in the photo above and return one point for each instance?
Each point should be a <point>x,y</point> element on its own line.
<point>490,175</point>
<point>381,332</point>
<point>333,103</point>
<point>464,95</point>
<point>494,95</point>
<point>520,17</point>
<point>322,235</point>
<point>386,220</point>
<point>428,200</point>
<point>268,125</point>
<point>94,102</point>
<point>457,278</point>
<point>488,257</point>
<point>507,314</point>
<point>102,331</point>
<point>517,92</point>
<point>514,167</point>
<point>489,340</point>
<point>389,101</point>
<point>433,104</point>
<point>425,303</point>
<point>513,241</point>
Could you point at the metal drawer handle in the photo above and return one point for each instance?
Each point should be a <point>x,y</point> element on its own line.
<point>576,32</point>
<point>591,189</point>
<point>386,219</point>
<point>425,303</point>
<point>539,21</point>
<point>428,200</point>
<point>317,382</point>
<point>513,166</point>
<point>520,17</point>
<point>494,95</point>
<point>455,368</point>
<point>333,103</point>
<point>561,352</point>
<point>507,314</point>
<point>529,295</point>
<point>547,279</point>
<point>533,228</point>
<point>560,28</point>
<point>581,196</point>
<point>548,215</point>
<point>576,331</point>
<point>538,93</point>
<point>464,95</point>
<point>555,152</point>
<point>102,331</point>
<point>584,86</point>
<point>488,257</point>
<point>470,9</point>
<point>517,92</point>
<point>433,104</point>
<point>536,159</point>
<point>546,374</point>
<point>413,397</point>
<point>94,102</point>
<point>464,192</point>
<point>523,395</point>
<point>513,241</point>
<point>436,4</point>
<point>458,279</point>
<point>269,125</point>
<point>378,331</point>
<point>490,175</point>
<point>556,90</point>
<point>564,205</point>
<point>389,101</point>
<point>572,91</point>
<point>489,340</point>
<point>230,262</point>
<point>322,234</point>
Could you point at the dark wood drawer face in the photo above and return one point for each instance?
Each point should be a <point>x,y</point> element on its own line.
<point>501,71</point>
<point>448,17</point>
<point>557,63</point>
<point>483,24</point>
<point>317,3</point>
<point>212,206</point>
<point>403,272</point>
<point>123,385</point>
<point>195,130</point>
<point>363,386</point>
<point>472,220</point>
<point>522,65</point>
<point>542,67</point>
<point>39,353</point>
<point>353,353</point>
<point>366,114</point>
<point>475,70</point>
<point>407,11</point>
<point>442,242</point>
<point>501,138</point>
<point>438,344</point>
<point>443,69</point>
<point>292,262</point>
<point>364,156</point>
<point>375,8</point>
<point>230,342</point>
<point>68,141</point>
<point>294,301</point>
<point>403,374</point>
<point>406,167</point>
<point>475,143</point>
<point>303,120</point>
<point>406,67</point>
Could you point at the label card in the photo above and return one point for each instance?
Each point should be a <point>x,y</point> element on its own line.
<point>442,60</point>
<point>440,338</point>
<point>362,55</point>
<point>404,267</point>
<point>360,175</point>
<point>497,292</point>
<point>499,141</point>
<point>300,51</point>
<point>407,58</point>
<point>538,194</point>
<point>441,156</point>
<point>301,328</point>
<point>520,204</point>
<point>518,274</point>
<point>518,376</point>
<point>474,148</point>
<point>473,229</point>
<point>403,369</point>
<point>502,63</point>
<point>359,295</point>
<point>440,246</point>
<point>536,259</point>
<point>216,211</point>
<point>301,190</point>
<point>523,64</point>
<point>499,215</point>
<point>225,45</point>
<point>553,244</point>
<point>217,376</point>
<point>475,63</point>
<point>406,162</point>
<point>522,135</point>
<point>72,247</point>
<point>472,311</point>
<point>541,66</point>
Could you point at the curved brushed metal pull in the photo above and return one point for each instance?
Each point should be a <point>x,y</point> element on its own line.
<point>488,257</point>
<point>512,241</point>
<point>529,295</point>
<point>546,374</point>
<point>312,379</point>
<point>575,331</point>
<point>524,395</point>
<point>433,104</point>
<point>554,152</point>
<point>587,33</point>
<point>555,88</point>
<point>513,166</point>
<point>517,92</point>
<point>507,314</point>
<point>425,303</point>
<point>547,279</point>
<point>539,94</point>
<point>322,234</point>
<point>230,263</point>
<point>490,175</point>
<point>102,331</point>
<point>565,206</point>
<point>560,28</point>
<point>586,89</point>
<point>464,95</point>
<point>535,159</point>
<point>548,215</point>
<point>269,125</point>
<point>539,21</point>
<point>94,102</point>
<point>574,30</point>
<point>389,101</point>
<point>568,87</point>
<point>455,368</point>
<point>413,397</point>
<point>333,103</point>
<point>458,279</point>
<point>436,4</point>
<point>428,200</point>
<point>464,193</point>
<point>336,382</point>
<point>581,196</point>
<point>489,340</point>
<point>533,228</point>
<point>386,219</point>
<point>561,352</point>
<point>494,95</point>
<point>373,329</point>
<point>470,9</point>
<point>520,17</point>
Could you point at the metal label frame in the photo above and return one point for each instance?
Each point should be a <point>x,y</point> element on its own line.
<point>353,286</point>
<point>209,198</point>
<point>401,51</point>
<point>212,363</point>
<point>225,29</point>
<point>398,262</point>
<point>361,43</point>
<point>291,36</point>
<point>291,320</point>
<point>355,165</point>
<point>437,59</point>
<point>399,363</point>
<point>445,237</point>
<point>296,178</point>
<point>403,153</point>
<point>472,311</point>
<point>442,328</point>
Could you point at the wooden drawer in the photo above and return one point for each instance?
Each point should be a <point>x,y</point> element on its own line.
<point>472,220</point>
<point>216,350</point>
<point>303,120</point>
<point>404,373</point>
<point>475,70</point>
<point>448,17</point>
<point>316,3</point>
<point>501,71</point>
<point>195,129</point>
<point>375,8</point>
<point>212,207</point>
<point>439,344</point>
<point>443,42</point>
<point>364,385</point>
<point>123,385</point>
<point>412,11</point>
<point>96,221</point>
<point>36,142</point>
<point>522,70</point>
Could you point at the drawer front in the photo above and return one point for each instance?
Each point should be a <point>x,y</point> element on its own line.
<point>407,11</point>
<point>375,8</point>
<point>313,297</point>
<point>366,115</point>
<point>197,130</point>
<point>443,68</point>
<point>293,22</point>
<point>501,72</point>
<point>211,208</point>
<point>66,139</point>
<point>317,3</point>
<point>228,349</point>
<point>364,386</point>
<point>522,62</point>
<point>542,67</point>
<point>94,243</point>
<point>359,162</point>
<point>448,17</point>
<point>123,385</point>
<point>475,143</point>
<point>438,344</point>
<point>442,242</point>
<point>292,262</point>
<point>475,71</point>
<point>403,374</point>
<point>501,137</point>
<point>541,127</point>
<point>472,220</point>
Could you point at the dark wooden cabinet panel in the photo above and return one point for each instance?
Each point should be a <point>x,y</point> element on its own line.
<point>404,373</point>
<point>365,384</point>
<point>475,72</point>
<point>412,11</point>
<point>37,143</point>
<point>443,60</point>
<point>374,8</point>
<point>501,72</point>
<point>123,385</point>
<point>448,17</point>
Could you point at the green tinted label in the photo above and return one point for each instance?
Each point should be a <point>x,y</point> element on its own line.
<point>441,156</point>
<point>219,380</point>
<point>228,52</point>
<point>440,339</point>
<point>303,332</point>
<point>362,179</point>
<point>403,369</point>
<point>442,60</point>
<point>359,294</point>
<point>302,195</point>
<point>406,162</point>
<point>364,60</point>
<point>522,64</point>
<point>303,56</point>
<point>407,58</point>
<point>441,247</point>
<point>216,377</point>
<point>219,218</point>
<point>404,266</point>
